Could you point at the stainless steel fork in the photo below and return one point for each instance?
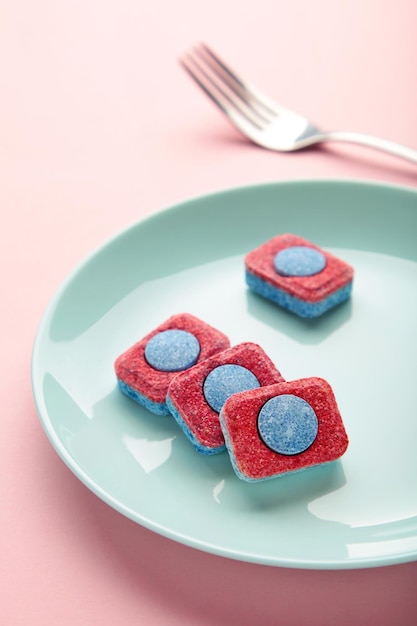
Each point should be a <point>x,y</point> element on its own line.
<point>263,121</point>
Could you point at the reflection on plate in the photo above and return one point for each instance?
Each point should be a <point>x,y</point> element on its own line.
<point>358,512</point>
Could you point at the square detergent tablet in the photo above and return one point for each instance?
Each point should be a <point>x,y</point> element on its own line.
<point>298,275</point>
<point>287,427</point>
<point>145,370</point>
<point>196,396</point>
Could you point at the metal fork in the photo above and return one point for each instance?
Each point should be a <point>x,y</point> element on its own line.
<point>263,121</point>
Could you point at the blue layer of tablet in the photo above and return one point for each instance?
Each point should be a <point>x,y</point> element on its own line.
<point>293,304</point>
<point>154,407</point>
<point>189,434</point>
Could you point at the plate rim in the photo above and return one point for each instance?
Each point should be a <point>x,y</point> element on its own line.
<point>84,477</point>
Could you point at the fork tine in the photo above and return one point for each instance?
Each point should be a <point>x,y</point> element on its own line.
<point>186,64</point>
<point>246,92</point>
<point>215,57</point>
<point>221,97</point>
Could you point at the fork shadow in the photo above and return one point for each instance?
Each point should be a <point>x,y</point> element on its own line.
<point>346,155</point>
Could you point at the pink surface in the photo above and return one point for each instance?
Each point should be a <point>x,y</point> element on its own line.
<point>99,127</point>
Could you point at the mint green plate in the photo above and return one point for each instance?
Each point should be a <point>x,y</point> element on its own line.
<point>360,511</point>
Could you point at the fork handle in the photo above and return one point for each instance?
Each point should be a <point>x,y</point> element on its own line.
<point>404,152</point>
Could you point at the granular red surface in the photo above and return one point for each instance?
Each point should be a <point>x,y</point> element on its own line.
<point>336,274</point>
<point>252,458</point>
<point>187,395</point>
<point>132,368</point>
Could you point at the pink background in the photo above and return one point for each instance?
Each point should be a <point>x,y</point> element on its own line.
<point>99,127</point>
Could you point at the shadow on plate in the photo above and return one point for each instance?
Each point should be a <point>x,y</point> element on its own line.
<point>302,330</point>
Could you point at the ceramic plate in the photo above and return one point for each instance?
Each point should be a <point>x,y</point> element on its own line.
<point>360,511</point>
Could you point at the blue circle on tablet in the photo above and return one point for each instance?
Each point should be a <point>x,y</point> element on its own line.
<point>226,380</point>
<point>299,261</point>
<point>287,424</point>
<point>172,350</point>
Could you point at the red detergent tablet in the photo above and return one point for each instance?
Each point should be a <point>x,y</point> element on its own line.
<point>145,370</point>
<point>195,397</point>
<point>283,428</point>
<point>298,275</point>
